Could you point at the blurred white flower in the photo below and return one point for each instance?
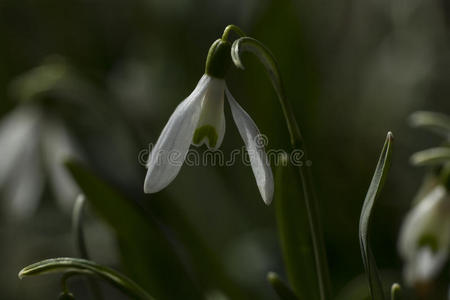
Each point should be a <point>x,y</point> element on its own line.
<point>31,148</point>
<point>197,120</point>
<point>425,237</point>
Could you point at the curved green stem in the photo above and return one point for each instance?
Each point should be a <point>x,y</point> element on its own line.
<point>82,266</point>
<point>80,241</point>
<point>77,225</point>
<point>267,59</point>
<point>247,44</point>
<point>230,28</point>
<point>396,291</point>
<point>67,275</point>
<point>64,279</point>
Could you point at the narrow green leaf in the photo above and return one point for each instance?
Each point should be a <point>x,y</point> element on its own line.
<point>375,285</point>
<point>282,290</point>
<point>294,233</point>
<point>147,255</point>
<point>436,122</point>
<point>432,156</point>
<point>396,290</point>
<point>86,267</point>
<point>355,289</point>
<point>203,259</point>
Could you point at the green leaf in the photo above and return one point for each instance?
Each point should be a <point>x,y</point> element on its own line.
<point>375,285</point>
<point>203,259</point>
<point>355,289</point>
<point>433,121</point>
<point>282,290</point>
<point>86,267</point>
<point>432,156</point>
<point>294,233</point>
<point>147,255</point>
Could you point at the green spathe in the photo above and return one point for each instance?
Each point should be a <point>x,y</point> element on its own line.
<point>207,131</point>
<point>219,59</point>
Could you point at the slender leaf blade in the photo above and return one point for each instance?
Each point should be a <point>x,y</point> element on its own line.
<point>294,233</point>
<point>379,177</point>
<point>282,290</point>
<point>82,266</point>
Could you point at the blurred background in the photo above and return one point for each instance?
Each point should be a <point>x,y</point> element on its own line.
<point>97,80</point>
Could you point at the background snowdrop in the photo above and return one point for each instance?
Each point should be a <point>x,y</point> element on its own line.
<point>33,150</point>
<point>424,241</point>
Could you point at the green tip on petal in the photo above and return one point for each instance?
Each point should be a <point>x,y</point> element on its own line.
<point>207,131</point>
<point>429,240</point>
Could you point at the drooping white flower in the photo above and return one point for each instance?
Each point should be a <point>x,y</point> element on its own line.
<point>32,148</point>
<point>424,240</point>
<point>34,143</point>
<point>199,119</point>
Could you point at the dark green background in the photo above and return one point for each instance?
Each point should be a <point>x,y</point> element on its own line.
<point>352,69</point>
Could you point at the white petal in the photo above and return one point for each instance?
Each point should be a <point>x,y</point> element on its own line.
<point>425,237</point>
<point>58,146</point>
<point>421,218</point>
<point>16,130</point>
<point>25,184</point>
<point>255,148</point>
<point>210,128</point>
<point>168,154</point>
<point>425,265</point>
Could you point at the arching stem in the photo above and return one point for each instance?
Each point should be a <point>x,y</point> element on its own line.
<point>247,44</point>
<point>230,28</point>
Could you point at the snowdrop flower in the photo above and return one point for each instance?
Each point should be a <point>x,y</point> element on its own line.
<point>31,146</point>
<point>199,119</point>
<point>424,240</point>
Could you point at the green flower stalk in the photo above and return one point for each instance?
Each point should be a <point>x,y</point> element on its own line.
<point>247,44</point>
